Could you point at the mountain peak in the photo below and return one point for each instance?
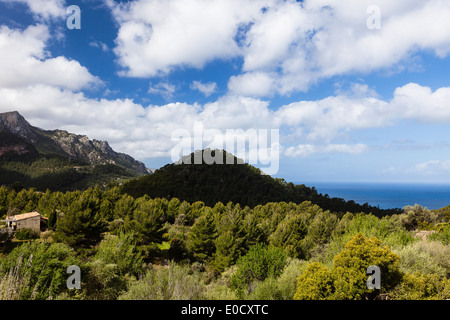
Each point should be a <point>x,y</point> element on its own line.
<point>61,142</point>
<point>13,121</point>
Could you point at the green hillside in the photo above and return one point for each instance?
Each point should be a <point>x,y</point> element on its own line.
<point>238,183</point>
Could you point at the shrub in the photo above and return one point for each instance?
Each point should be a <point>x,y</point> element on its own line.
<point>220,289</point>
<point>26,234</point>
<point>102,281</point>
<point>428,257</point>
<point>216,291</point>
<point>176,282</point>
<point>16,281</point>
<point>346,280</point>
<point>287,281</point>
<point>419,286</point>
<point>280,288</point>
<point>352,263</point>
<point>315,283</point>
<point>442,235</point>
<point>388,230</point>
<point>259,263</point>
<point>121,251</point>
<point>416,215</point>
<point>268,289</point>
<point>47,266</point>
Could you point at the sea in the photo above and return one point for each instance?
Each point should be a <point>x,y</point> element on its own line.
<point>387,195</point>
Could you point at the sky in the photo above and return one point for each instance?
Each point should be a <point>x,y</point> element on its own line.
<point>358,91</point>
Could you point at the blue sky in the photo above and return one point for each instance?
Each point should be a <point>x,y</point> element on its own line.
<point>359,90</point>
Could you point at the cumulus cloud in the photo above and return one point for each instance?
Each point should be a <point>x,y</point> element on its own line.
<point>421,103</point>
<point>285,45</point>
<point>143,132</point>
<point>25,61</point>
<point>324,120</point>
<point>155,36</point>
<point>306,127</point>
<point>44,9</point>
<point>254,84</point>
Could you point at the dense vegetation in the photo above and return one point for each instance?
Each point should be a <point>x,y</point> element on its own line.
<point>238,183</point>
<point>156,248</point>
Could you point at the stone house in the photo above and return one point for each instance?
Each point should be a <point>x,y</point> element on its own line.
<point>31,220</point>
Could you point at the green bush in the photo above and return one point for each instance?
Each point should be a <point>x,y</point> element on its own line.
<point>46,265</point>
<point>287,281</point>
<point>427,257</point>
<point>268,289</point>
<point>15,283</point>
<point>26,234</point>
<point>419,286</point>
<point>442,235</point>
<point>315,283</point>
<point>219,289</point>
<point>415,216</point>
<point>346,280</point>
<point>175,282</point>
<point>259,263</point>
<point>102,281</point>
<point>121,251</point>
<point>279,288</point>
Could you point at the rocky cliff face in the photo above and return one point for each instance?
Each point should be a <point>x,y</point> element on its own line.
<point>79,147</point>
<point>14,123</point>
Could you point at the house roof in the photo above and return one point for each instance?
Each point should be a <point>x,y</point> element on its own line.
<point>26,215</point>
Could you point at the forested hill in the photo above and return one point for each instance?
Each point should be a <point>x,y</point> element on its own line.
<point>238,183</point>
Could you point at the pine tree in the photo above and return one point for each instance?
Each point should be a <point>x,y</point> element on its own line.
<point>202,235</point>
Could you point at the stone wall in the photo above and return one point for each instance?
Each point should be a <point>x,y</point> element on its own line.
<point>32,223</point>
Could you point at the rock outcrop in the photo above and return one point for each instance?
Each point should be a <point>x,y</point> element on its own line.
<point>18,134</point>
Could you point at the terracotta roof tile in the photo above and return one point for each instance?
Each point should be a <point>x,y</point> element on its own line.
<point>26,215</point>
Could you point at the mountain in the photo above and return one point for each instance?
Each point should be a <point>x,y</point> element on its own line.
<point>237,182</point>
<point>29,155</point>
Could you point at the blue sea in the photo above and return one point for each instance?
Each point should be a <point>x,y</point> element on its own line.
<point>388,195</point>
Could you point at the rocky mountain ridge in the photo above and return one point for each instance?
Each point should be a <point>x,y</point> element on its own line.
<point>17,134</point>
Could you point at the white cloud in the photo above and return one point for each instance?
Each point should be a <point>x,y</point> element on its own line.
<point>44,9</point>
<point>439,169</point>
<point>255,84</point>
<point>331,38</point>
<point>128,126</point>
<point>206,88</point>
<point>334,116</point>
<point>25,61</point>
<point>305,150</point>
<point>100,45</point>
<point>325,119</point>
<point>164,89</point>
<point>421,103</point>
<point>431,165</point>
<point>157,36</point>
<point>306,127</point>
<point>286,47</point>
